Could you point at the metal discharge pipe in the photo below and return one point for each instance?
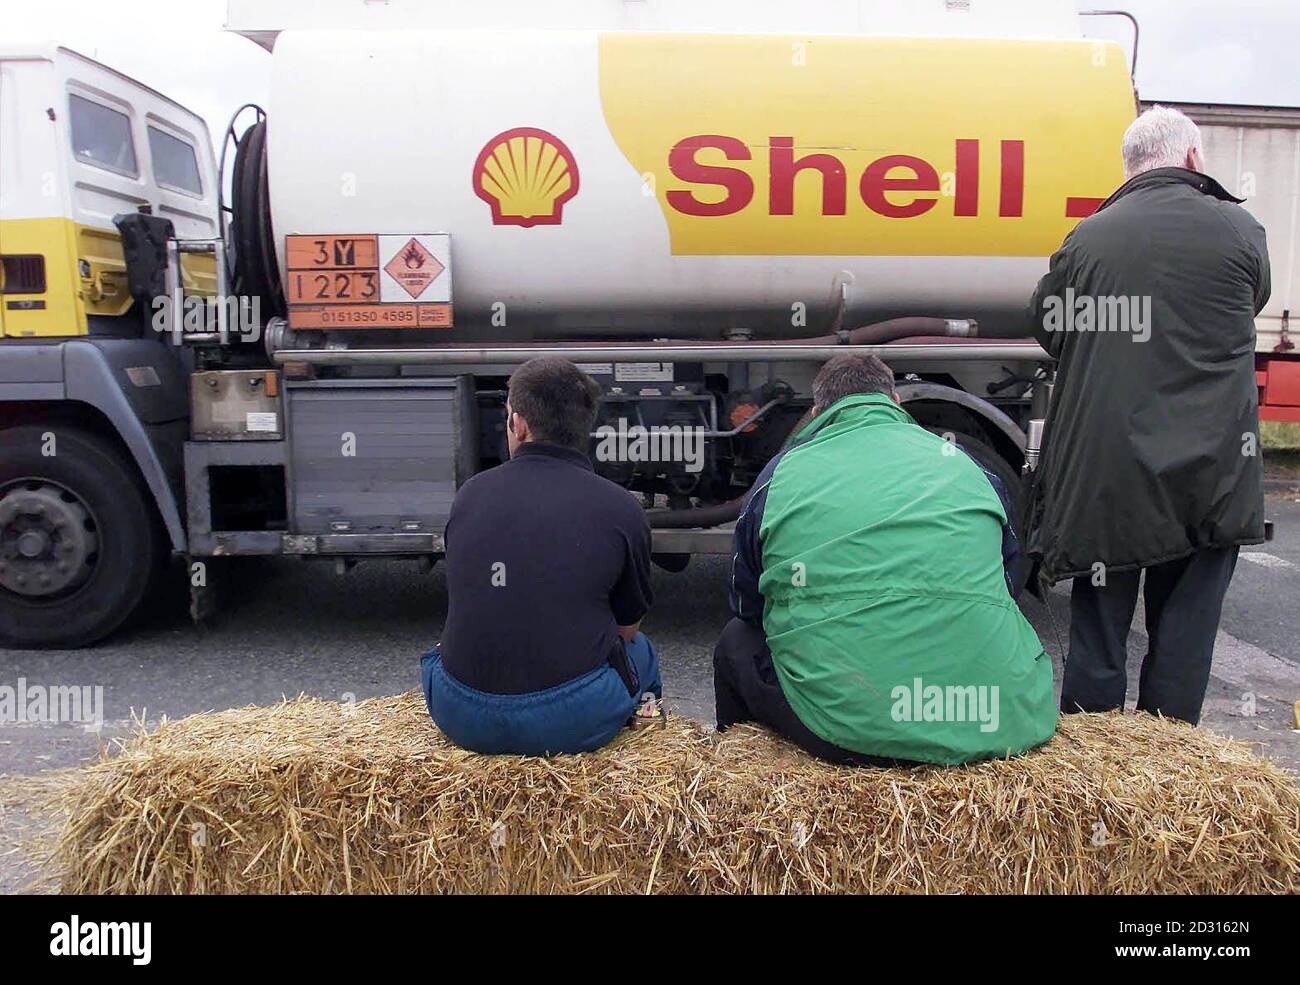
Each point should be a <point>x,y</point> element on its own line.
<point>754,352</point>
<point>866,338</point>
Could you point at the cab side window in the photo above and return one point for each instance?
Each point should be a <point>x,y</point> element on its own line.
<point>101,136</point>
<point>175,164</point>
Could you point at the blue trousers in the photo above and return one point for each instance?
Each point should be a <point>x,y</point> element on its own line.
<point>577,716</point>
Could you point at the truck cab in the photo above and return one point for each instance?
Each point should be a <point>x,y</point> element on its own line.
<point>79,144</point>
<point>93,407</point>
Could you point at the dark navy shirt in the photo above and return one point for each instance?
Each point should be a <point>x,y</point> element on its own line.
<point>545,560</point>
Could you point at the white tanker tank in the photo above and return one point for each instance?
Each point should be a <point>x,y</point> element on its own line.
<point>576,183</point>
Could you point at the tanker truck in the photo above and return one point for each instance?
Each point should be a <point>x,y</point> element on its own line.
<point>303,350</point>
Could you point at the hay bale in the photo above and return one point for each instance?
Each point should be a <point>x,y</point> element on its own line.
<point>31,816</point>
<point>312,796</point>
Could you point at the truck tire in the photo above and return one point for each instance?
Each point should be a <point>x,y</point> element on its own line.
<point>80,543</point>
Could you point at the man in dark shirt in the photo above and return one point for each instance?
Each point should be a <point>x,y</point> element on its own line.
<point>548,578</point>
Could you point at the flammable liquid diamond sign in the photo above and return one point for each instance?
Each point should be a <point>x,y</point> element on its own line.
<point>415,268</point>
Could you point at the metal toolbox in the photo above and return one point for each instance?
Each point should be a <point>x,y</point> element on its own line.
<point>236,405</point>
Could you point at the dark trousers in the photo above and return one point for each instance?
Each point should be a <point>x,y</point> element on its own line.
<point>745,689</point>
<point>1184,600</point>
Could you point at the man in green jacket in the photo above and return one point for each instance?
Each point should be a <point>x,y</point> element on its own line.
<point>1151,449</point>
<point>874,621</point>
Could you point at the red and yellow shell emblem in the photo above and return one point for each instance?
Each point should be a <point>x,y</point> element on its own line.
<point>525,175</point>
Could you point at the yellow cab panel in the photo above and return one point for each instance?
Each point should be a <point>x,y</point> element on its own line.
<point>79,144</point>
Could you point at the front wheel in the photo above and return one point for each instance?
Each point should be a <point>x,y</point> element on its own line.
<point>79,540</point>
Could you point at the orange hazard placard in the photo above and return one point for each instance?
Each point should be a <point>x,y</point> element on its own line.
<point>370,316</point>
<point>325,252</point>
<point>335,282</point>
<point>332,286</point>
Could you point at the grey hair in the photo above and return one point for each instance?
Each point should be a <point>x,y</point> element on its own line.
<point>1159,138</point>
<point>849,374</point>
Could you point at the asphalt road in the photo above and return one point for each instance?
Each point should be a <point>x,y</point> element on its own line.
<point>292,626</point>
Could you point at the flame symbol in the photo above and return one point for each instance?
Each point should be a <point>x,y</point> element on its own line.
<point>413,258</point>
<point>526,175</point>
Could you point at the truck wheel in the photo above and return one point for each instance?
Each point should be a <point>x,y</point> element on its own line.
<point>79,541</point>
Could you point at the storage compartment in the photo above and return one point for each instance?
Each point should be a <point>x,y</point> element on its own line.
<point>235,405</point>
<point>372,457</point>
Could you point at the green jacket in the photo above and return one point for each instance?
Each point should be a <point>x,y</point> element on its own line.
<point>874,549</point>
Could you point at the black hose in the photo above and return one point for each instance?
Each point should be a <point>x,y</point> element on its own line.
<point>878,333</point>
<point>697,516</point>
<point>256,269</point>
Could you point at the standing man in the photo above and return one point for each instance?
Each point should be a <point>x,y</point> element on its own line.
<point>548,577</point>
<point>1151,449</point>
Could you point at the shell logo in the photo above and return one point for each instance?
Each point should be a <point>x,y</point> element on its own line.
<point>525,175</point>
